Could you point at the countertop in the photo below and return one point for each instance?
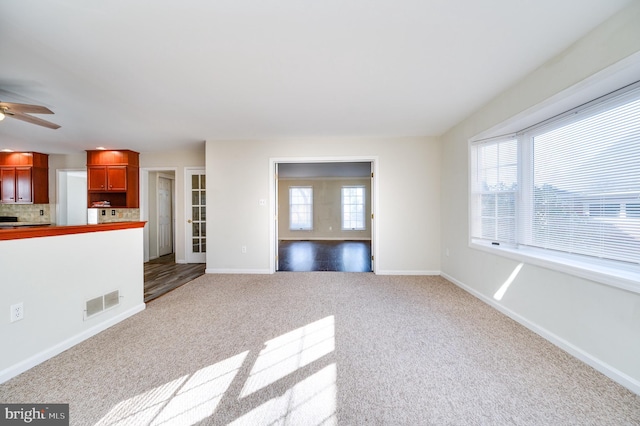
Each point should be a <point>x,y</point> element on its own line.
<point>21,224</point>
<point>39,230</point>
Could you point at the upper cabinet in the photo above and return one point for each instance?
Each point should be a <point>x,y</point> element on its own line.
<point>24,178</point>
<point>113,176</point>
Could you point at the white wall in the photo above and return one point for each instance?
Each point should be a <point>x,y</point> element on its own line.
<point>238,176</point>
<point>598,323</point>
<point>53,277</point>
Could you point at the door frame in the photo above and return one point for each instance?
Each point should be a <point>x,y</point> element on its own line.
<point>273,200</point>
<point>144,205</point>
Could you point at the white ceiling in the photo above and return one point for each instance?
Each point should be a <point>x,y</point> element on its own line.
<point>153,75</point>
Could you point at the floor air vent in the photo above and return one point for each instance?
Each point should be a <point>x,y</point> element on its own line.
<point>101,303</point>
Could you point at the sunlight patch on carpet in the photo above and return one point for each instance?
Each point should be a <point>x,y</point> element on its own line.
<point>311,402</point>
<point>184,401</point>
<point>287,353</point>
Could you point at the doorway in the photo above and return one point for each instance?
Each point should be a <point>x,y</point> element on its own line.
<point>324,213</point>
<point>160,208</point>
<point>157,208</point>
<point>71,205</point>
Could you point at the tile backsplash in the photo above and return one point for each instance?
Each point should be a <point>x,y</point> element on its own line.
<point>28,212</point>
<point>31,213</point>
<point>119,215</point>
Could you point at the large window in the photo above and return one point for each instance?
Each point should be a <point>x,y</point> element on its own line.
<point>301,208</point>
<point>353,208</point>
<point>568,188</point>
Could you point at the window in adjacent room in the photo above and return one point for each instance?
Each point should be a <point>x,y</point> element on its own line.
<point>301,208</point>
<point>353,208</point>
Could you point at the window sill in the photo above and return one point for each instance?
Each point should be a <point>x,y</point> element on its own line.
<point>623,276</point>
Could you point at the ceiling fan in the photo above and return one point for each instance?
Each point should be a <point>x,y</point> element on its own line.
<point>22,111</point>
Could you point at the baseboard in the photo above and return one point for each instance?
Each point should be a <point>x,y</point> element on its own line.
<point>403,272</point>
<point>268,272</point>
<point>181,261</point>
<point>21,367</point>
<point>237,271</point>
<point>614,374</point>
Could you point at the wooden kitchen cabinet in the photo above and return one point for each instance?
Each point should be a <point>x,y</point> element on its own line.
<point>113,176</point>
<point>24,178</point>
<point>117,178</point>
<point>107,178</point>
<point>8,178</point>
<point>96,178</point>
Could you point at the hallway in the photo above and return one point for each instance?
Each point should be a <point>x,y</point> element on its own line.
<point>163,274</point>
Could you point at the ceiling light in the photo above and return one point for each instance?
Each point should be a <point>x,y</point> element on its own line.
<point>1,115</point>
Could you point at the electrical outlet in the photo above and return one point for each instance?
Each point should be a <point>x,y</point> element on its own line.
<point>244,249</point>
<point>17,312</point>
<point>41,212</point>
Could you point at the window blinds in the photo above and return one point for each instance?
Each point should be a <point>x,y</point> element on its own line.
<point>494,190</point>
<point>585,196</point>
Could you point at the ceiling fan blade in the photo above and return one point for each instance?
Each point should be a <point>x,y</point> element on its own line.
<point>30,109</point>
<point>32,120</point>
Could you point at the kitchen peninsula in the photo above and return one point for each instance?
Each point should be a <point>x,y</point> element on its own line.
<point>72,282</point>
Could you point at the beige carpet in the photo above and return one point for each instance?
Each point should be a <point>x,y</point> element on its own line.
<point>318,349</point>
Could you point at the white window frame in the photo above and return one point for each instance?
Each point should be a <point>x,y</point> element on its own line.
<point>364,206</point>
<point>615,273</point>
<point>291,210</point>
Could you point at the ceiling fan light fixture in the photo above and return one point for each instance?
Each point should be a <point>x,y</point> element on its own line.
<point>1,115</point>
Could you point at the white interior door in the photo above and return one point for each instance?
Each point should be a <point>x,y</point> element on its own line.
<point>196,229</point>
<point>276,220</point>
<point>165,219</point>
<point>371,205</point>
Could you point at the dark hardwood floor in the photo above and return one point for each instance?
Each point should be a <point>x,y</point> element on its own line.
<point>341,256</point>
<point>163,274</point>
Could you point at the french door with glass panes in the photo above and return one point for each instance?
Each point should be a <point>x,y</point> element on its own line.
<point>196,216</point>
